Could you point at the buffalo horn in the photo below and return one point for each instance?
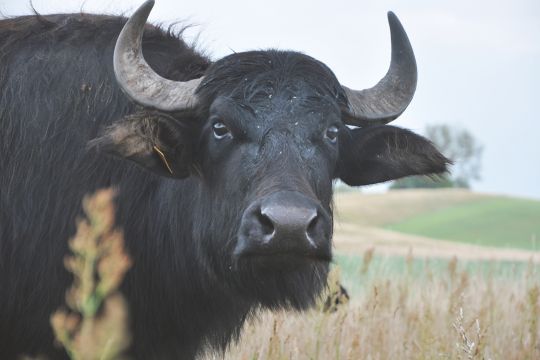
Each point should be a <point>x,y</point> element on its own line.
<point>142,84</point>
<point>390,97</point>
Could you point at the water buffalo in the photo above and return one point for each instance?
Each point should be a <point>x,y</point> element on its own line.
<point>224,171</point>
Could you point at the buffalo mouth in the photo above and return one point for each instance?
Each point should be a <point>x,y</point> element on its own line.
<point>273,258</point>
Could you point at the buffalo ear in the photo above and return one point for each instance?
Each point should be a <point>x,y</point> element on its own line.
<point>155,141</point>
<point>381,153</point>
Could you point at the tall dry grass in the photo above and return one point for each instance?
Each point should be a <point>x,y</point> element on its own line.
<point>454,315</point>
<point>95,325</point>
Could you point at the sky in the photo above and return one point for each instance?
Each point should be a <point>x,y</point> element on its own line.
<point>478,61</point>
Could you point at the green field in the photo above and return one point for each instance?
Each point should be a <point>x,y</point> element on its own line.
<point>490,221</point>
<point>355,273</point>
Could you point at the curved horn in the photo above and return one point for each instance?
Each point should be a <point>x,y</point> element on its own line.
<point>390,97</point>
<point>142,84</point>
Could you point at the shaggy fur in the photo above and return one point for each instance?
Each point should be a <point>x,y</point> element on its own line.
<point>62,116</point>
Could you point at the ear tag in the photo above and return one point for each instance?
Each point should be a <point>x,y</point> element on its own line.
<point>163,158</point>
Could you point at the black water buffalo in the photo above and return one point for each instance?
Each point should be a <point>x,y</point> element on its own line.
<point>224,172</point>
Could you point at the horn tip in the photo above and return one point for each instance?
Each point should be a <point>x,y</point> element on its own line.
<point>149,3</point>
<point>139,17</point>
<point>146,7</point>
<point>392,18</point>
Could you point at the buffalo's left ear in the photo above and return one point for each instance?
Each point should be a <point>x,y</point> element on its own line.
<point>155,141</point>
<point>381,153</point>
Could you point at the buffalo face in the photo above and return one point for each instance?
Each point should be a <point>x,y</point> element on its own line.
<point>267,154</point>
<point>272,134</point>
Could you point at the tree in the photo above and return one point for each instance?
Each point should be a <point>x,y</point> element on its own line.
<point>461,147</point>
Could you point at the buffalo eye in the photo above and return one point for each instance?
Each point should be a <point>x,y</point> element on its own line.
<point>220,130</point>
<point>332,134</point>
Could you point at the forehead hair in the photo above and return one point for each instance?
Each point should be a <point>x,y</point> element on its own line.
<point>255,75</point>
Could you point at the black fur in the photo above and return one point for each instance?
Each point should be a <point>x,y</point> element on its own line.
<point>62,115</point>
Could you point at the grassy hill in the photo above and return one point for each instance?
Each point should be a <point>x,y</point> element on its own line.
<point>444,214</point>
<point>394,206</point>
<point>497,221</point>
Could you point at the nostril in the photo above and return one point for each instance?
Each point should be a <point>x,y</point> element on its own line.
<point>312,226</point>
<point>267,227</point>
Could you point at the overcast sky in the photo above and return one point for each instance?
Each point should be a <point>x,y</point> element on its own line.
<point>478,61</point>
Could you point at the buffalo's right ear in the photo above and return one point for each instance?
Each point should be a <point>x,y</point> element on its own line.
<point>155,141</point>
<point>381,153</point>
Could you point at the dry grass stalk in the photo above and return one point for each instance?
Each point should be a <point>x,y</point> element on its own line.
<point>396,317</point>
<point>366,261</point>
<point>96,326</point>
<point>534,309</point>
<point>335,295</point>
<point>468,346</point>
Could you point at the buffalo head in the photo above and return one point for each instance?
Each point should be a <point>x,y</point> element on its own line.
<point>259,139</point>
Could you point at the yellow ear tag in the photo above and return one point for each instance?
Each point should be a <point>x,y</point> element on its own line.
<point>163,158</point>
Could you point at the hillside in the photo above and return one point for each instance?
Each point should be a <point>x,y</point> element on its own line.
<point>497,221</point>
<point>397,205</point>
<point>439,223</point>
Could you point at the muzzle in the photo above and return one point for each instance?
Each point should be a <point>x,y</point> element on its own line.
<point>285,224</point>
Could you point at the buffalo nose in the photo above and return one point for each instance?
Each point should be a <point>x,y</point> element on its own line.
<point>285,223</point>
<point>278,220</point>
